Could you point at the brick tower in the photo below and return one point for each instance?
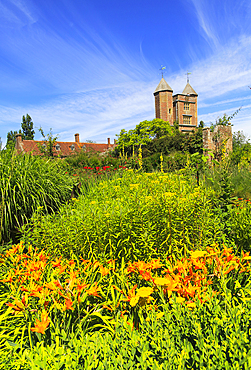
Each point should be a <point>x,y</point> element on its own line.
<point>185,109</point>
<point>181,108</point>
<point>164,101</point>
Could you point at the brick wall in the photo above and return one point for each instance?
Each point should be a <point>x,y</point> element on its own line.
<point>213,141</point>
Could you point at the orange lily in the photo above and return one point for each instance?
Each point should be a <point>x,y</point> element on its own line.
<point>42,325</point>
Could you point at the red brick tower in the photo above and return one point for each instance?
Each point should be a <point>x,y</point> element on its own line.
<point>185,109</point>
<point>164,101</point>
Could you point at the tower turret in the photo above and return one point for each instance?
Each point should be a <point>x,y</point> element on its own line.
<point>164,101</point>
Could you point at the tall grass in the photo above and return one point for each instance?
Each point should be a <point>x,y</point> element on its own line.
<point>26,183</point>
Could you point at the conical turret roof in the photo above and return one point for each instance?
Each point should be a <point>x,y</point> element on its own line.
<point>163,86</point>
<point>188,90</point>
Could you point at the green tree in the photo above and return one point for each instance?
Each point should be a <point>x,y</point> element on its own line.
<point>27,128</point>
<point>144,133</point>
<point>241,153</point>
<point>49,142</point>
<point>11,139</point>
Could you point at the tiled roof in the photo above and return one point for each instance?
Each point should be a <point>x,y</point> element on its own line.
<point>188,90</point>
<point>65,148</point>
<point>163,86</point>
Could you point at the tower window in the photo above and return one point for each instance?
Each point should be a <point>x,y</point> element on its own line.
<point>186,106</point>
<point>186,120</point>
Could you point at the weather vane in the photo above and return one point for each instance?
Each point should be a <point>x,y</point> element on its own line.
<point>188,73</point>
<point>162,70</point>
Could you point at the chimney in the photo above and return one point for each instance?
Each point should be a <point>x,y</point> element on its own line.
<point>109,142</point>
<point>19,142</point>
<point>76,138</point>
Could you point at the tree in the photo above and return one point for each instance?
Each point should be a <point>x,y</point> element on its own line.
<point>11,139</point>
<point>144,133</point>
<point>241,153</point>
<point>27,128</point>
<point>48,143</point>
<point>225,120</point>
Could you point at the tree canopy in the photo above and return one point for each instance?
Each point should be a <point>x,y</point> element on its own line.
<point>27,128</point>
<point>144,133</point>
<point>27,132</point>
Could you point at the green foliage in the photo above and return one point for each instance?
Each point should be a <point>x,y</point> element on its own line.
<point>143,133</point>
<point>11,139</point>
<point>132,217</point>
<point>78,161</point>
<point>27,128</point>
<point>225,120</point>
<point>181,142</point>
<point>209,337</point>
<point>241,154</point>
<point>28,182</point>
<point>49,142</point>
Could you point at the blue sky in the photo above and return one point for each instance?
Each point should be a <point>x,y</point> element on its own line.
<point>91,66</point>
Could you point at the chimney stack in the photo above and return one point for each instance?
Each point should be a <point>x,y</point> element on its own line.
<point>76,138</point>
<point>109,142</point>
<point>19,141</point>
<point>19,138</point>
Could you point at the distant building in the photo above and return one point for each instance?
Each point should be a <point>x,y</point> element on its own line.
<point>61,148</point>
<point>181,108</point>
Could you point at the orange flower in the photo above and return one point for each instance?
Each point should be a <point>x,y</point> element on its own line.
<point>17,306</point>
<point>80,287</point>
<point>57,262</point>
<point>93,290</point>
<point>59,270</point>
<point>42,325</point>
<point>155,264</point>
<point>146,275</point>
<point>68,304</point>
<point>104,270</point>
<point>51,285</point>
<point>229,269</point>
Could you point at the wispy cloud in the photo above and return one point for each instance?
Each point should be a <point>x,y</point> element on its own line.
<point>89,81</point>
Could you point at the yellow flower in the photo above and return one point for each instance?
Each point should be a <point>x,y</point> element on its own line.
<point>144,292</point>
<point>180,299</point>
<point>198,254</point>
<point>162,281</point>
<point>134,300</point>
<point>159,315</point>
<point>191,305</point>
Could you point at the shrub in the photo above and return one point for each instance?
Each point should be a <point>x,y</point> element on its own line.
<point>134,217</point>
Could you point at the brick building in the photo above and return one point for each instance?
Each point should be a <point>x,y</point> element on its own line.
<point>61,148</point>
<point>181,108</point>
